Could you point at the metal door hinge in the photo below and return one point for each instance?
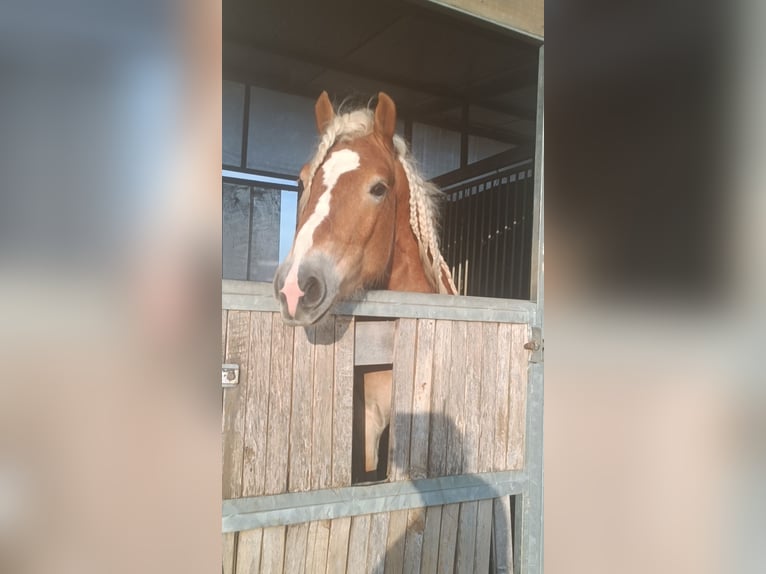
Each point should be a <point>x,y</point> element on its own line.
<point>229,375</point>
<point>537,345</point>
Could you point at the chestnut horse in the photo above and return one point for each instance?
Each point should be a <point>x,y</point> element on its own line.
<point>366,220</point>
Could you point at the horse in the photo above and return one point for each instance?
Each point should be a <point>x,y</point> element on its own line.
<point>367,219</point>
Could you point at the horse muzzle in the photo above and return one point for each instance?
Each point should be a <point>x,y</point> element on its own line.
<point>306,294</point>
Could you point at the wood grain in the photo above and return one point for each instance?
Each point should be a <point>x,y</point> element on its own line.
<point>316,546</point>
<point>401,411</point>
<point>235,401</point>
<point>472,397</point>
<point>421,399</point>
<point>397,529</point>
<point>343,401</point>
<point>488,397</point>
<point>431,534</point>
<point>229,552</point>
<point>483,535</point>
<point>376,547</point>
<point>273,549</point>
<point>501,396</point>
<point>437,454</point>
<point>277,435</point>
<point>323,376</point>
<point>413,546</point>
<point>249,551</point>
<point>465,553</point>
<point>501,534</point>
<point>300,412</point>
<point>448,537</point>
<point>257,409</point>
<point>296,543</point>
<point>338,545</point>
<point>455,403</point>
<point>518,397</point>
<point>358,538</point>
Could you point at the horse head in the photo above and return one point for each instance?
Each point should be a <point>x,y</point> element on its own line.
<point>354,227</point>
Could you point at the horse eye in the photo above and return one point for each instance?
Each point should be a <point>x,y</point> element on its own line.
<point>378,190</point>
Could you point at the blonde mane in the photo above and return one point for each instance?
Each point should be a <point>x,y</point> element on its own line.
<point>424,196</point>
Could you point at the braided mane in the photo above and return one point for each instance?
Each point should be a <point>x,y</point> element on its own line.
<point>424,196</point>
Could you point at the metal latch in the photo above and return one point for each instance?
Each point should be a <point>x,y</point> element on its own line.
<point>536,345</point>
<point>229,375</point>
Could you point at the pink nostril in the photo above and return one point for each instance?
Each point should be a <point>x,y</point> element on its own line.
<point>292,293</point>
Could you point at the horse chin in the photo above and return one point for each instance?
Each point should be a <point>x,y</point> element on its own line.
<point>303,318</point>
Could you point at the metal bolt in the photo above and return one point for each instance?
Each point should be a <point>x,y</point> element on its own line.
<point>231,375</point>
<point>532,346</point>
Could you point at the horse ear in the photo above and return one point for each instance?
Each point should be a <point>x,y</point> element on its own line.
<point>385,116</point>
<point>324,112</point>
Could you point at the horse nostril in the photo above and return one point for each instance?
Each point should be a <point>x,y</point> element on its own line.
<point>313,292</point>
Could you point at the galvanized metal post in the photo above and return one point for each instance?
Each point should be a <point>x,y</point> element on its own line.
<point>529,505</point>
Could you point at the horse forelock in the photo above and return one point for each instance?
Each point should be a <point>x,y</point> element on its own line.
<point>424,196</point>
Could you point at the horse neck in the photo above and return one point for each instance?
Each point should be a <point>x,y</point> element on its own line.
<point>407,273</point>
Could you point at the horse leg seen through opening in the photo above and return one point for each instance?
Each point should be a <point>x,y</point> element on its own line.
<point>377,415</point>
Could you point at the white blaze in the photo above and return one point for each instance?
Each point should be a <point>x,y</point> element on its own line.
<point>340,162</point>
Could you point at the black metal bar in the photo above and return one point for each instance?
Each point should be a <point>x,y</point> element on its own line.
<point>464,118</point>
<point>507,227</point>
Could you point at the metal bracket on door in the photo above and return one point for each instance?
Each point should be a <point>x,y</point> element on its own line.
<point>536,345</point>
<point>229,375</point>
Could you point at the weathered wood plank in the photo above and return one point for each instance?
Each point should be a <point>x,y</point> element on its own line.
<point>374,342</point>
<point>273,549</point>
<point>437,453</point>
<point>376,547</point>
<point>324,373</point>
<point>257,410</point>
<point>518,397</point>
<point>431,532</point>
<point>448,537</point>
<point>296,544</point>
<point>224,318</point>
<point>465,553</point>
<point>455,411</point>
<point>300,413</point>
<point>337,551</point>
<point>316,547</point>
<point>501,398</point>
<point>413,546</point>
<point>277,436</point>
<point>358,538</point>
<point>501,535</point>
<point>397,529</point>
<point>235,402</point>
<point>343,401</point>
<point>421,399</point>
<point>401,411</point>
<point>488,397</point>
<point>249,551</point>
<point>483,535</point>
<point>473,382</point>
<point>229,551</point>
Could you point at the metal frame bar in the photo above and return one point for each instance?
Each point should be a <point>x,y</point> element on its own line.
<point>295,507</point>
<point>529,504</point>
<point>256,296</point>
